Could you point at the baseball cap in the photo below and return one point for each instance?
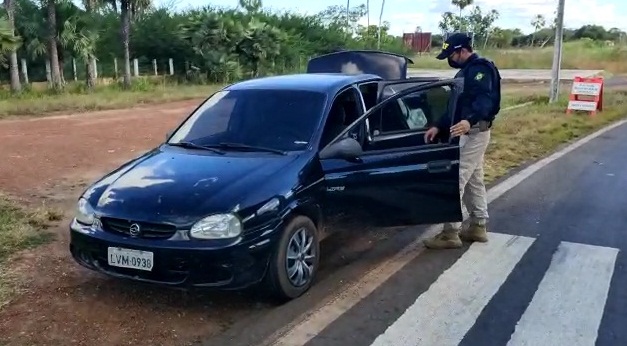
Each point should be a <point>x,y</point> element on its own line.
<point>453,43</point>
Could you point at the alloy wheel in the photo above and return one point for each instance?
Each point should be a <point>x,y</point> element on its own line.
<point>301,255</point>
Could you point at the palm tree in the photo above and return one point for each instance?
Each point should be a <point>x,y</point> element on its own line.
<point>9,6</point>
<point>8,41</point>
<point>53,53</point>
<point>128,9</point>
<point>538,23</point>
<point>83,43</point>
<point>462,4</point>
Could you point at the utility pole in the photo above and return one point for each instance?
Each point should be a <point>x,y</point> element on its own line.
<point>557,53</point>
<point>380,18</point>
<point>368,13</point>
<point>368,23</point>
<point>348,5</point>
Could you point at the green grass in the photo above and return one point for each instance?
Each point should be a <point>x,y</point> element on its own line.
<point>532,132</point>
<point>21,229</point>
<point>581,54</point>
<point>75,99</point>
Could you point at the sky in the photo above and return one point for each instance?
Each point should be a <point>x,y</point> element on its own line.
<point>406,15</point>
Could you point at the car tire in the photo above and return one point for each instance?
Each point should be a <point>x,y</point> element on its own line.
<point>280,285</point>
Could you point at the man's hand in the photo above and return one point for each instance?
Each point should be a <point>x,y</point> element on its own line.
<point>430,134</point>
<point>460,128</point>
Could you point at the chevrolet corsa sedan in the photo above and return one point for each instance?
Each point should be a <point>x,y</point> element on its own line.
<point>244,190</point>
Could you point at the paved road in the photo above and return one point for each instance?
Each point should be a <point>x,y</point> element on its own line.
<point>510,74</point>
<point>553,274</point>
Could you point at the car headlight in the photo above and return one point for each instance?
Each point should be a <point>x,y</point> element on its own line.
<point>220,226</point>
<point>84,212</point>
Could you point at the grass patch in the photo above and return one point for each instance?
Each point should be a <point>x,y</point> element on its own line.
<point>582,54</point>
<point>512,94</point>
<point>532,132</point>
<point>21,229</point>
<point>76,99</point>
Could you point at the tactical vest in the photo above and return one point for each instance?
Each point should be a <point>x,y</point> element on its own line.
<point>496,83</point>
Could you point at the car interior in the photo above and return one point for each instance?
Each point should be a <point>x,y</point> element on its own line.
<point>369,93</point>
<point>344,111</point>
<point>400,123</point>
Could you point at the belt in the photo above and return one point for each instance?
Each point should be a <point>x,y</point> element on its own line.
<point>481,126</point>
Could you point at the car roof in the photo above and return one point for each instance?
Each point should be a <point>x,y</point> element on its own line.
<point>328,83</point>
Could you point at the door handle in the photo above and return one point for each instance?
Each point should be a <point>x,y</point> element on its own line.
<point>439,166</point>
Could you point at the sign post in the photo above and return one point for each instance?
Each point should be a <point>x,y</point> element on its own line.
<point>586,95</point>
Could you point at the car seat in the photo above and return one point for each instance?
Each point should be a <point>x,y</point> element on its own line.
<point>336,123</point>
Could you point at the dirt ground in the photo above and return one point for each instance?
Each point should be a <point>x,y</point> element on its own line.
<point>54,158</point>
<point>51,160</point>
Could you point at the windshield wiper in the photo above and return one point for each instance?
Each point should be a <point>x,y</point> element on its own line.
<point>196,146</point>
<point>225,145</point>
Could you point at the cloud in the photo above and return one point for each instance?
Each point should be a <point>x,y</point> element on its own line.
<point>608,13</point>
<point>406,15</point>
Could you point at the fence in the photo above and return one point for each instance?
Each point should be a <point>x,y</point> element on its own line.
<point>113,68</point>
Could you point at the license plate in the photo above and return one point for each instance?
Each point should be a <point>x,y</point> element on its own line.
<point>127,258</point>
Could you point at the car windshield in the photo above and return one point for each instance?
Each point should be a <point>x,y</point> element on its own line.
<point>283,120</point>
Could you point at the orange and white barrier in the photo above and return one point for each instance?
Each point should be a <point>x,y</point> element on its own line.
<point>586,95</point>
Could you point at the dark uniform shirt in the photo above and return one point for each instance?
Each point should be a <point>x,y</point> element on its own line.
<point>480,99</point>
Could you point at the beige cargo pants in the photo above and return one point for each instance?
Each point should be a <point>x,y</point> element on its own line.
<point>474,201</point>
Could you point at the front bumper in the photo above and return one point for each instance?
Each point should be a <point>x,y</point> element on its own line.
<point>185,264</point>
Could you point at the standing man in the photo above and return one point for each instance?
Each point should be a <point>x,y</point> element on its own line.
<point>476,109</point>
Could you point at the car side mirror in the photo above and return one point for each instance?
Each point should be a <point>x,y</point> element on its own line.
<point>347,148</point>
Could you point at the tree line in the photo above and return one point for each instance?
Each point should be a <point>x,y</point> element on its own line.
<point>487,35</point>
<point>220,42</point>
<point>214,44</point>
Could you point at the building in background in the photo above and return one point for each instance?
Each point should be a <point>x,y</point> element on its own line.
<point>418,41</point>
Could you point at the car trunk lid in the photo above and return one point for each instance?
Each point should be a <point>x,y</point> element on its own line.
<point>388,66</point>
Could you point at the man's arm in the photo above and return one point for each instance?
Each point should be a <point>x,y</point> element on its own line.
<point>479,87</point>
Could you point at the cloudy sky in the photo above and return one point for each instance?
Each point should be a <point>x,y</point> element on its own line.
<point>406,15</point>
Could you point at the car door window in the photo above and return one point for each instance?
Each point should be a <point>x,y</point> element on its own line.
<point>400,120</point>
<point>346,108</point>
<point>369,92</point>
<point>414,112</point>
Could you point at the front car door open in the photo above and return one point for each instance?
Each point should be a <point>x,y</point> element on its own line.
<point>396,179</point>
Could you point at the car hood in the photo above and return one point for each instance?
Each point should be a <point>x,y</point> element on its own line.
<point>180,186</point>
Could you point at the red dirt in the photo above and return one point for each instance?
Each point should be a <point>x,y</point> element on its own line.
<point>62,303</point>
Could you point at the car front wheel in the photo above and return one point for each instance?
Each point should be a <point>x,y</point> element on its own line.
<point>294,263</point>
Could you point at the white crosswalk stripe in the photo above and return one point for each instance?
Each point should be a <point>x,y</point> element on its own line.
<point>566,308</point>
<point>443,314</point>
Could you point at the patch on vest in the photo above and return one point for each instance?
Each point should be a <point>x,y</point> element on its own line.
<point>479,76</point>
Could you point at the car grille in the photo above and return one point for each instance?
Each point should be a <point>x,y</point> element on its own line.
<point>148,230</point>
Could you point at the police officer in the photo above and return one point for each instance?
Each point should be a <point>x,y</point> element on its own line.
<point>476,109</point>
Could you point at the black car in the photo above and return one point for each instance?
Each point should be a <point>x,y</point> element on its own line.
<point>242,192</point>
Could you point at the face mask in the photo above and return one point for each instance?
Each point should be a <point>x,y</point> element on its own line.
<point>452,63</point>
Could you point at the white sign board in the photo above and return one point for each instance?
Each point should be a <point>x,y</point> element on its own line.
<point>589,106</point>
<point>589,89</point>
